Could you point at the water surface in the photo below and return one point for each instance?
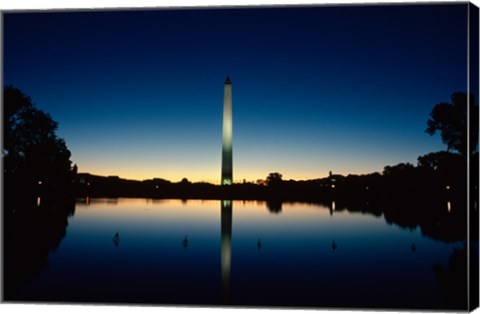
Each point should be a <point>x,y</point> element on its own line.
<point>241,253</point>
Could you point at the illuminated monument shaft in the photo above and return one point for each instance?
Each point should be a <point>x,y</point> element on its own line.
<point>227,165</point>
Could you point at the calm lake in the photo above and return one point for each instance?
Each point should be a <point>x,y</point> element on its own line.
<point>242,253</point>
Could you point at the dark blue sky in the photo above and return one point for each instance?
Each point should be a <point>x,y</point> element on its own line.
<point>140,93</point>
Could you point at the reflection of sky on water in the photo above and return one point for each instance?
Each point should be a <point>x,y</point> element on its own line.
<point>297,248</point>
<point>295,265</point>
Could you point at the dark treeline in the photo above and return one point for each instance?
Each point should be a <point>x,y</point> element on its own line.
<point>440,175</point>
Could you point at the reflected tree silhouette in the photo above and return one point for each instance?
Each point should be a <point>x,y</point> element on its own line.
<point>274,206</point>
<point>453,278</point>
<point>30,233</point>
<point>432,216</point>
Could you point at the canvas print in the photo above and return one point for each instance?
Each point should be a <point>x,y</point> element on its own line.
<point>318,156</point>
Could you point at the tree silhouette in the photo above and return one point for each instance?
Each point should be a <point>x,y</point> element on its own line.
<point>399,169</point>
<point>438,160</point>
<point>32,152</point>
<point>451,121</point>
<point>274,179</point>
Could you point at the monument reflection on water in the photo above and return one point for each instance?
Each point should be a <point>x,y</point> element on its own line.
<point>226,227</point>
<point>248,253</point>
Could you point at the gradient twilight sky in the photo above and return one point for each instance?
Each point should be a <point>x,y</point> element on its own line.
<point>139,94</point>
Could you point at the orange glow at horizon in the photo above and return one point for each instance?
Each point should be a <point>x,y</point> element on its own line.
<point>212,175</point>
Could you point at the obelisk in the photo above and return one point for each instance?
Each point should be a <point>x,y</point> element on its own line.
<point>227,165</point>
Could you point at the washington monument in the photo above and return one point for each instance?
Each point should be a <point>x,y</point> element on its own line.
<point>227,166</point>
